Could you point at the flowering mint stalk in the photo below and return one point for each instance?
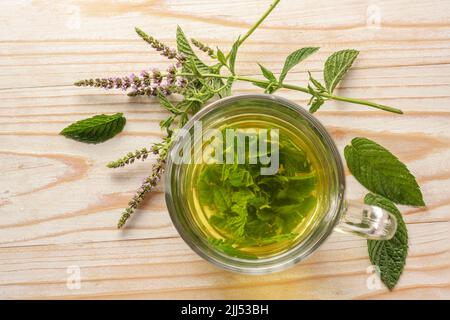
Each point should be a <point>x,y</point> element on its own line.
<point>131,157</point>
<point>147,83</point>
<point>159,46</point>
<point>149,183</point>
<point>203,47</point>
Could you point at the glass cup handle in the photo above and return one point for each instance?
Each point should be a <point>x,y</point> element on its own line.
<point>367,221</point>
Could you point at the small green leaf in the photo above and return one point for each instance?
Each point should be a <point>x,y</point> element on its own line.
<point>226,91</point>
<point>233,54</point>
<point>267,73</point>
<point>221,57</point>
<point>337,66</point>
<point>260,85</point>
<point>316,103</point>
<point>97,129</point>
<point>377,169</point>
<point>295,58</point>
<point>166,104</point>
<point>316,83</point>
<point>185,48</point>
<point>388,255</point>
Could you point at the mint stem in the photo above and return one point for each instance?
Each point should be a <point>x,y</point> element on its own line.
<point>346,99</point>
<point>257,24</point>
<point>305,90</point>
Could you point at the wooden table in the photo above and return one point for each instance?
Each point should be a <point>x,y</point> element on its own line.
<point>59,204</point>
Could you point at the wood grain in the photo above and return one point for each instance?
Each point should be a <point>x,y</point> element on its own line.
<point>59,203</point>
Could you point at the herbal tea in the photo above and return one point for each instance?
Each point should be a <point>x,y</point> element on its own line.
<point>246,214</point>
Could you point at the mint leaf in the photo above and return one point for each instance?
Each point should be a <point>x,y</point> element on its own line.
<point>295,58</point>
<point>316,103</point>
<point>222,200</point>
<point>292,214</point>
<point>185,48</point>
<point>221,57</point>
<point>166,104</point>
<point>261,85</point>
<point>273,85</point>
<point>226,91</point>
<point>293,159</point>
<point>337,66</point>
<point>381,172</point>
<point>97,129</point>
<point>267,73</point>
<point>388,255</point>
<point>233,54</point>
<point>316,83</point>
<point>269,240</point>
<point>198,67</point>
<point>250,209</point>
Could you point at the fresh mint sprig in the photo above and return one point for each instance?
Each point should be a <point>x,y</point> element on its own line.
<point>199,82</point>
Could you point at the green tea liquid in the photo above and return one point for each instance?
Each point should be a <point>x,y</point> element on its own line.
<point>248,215</point>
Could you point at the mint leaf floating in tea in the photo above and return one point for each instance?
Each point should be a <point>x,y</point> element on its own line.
<point>253,212</point>
<point>381,172</point>
<point>97,129</point>
<point>389,255</point>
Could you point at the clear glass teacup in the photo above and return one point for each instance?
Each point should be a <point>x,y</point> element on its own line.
<point>334,212</point>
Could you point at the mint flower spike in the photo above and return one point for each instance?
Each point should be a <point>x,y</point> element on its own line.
<point>131,157</point>
<point>147,83</point>
<point>161,47</point>
<point>148,185</point>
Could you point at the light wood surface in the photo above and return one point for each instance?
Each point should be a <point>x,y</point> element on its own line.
<point>59,204</point>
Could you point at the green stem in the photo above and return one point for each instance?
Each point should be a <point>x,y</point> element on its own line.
<point>346,99</point>
<point>305,90</point>
<point>257,24</point>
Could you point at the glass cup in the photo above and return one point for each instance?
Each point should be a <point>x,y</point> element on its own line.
<point>338,214</point>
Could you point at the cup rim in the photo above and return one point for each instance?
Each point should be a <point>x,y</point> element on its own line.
<point>338,211</point>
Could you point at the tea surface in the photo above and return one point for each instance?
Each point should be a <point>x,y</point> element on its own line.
<point>246,214</point>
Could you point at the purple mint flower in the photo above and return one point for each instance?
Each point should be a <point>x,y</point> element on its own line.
<point>181,82</point>
<point>117,82</point>
<point>171,69</point>
<point>156,76</point>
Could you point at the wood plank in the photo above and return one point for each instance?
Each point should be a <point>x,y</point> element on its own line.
<point>59,203</point>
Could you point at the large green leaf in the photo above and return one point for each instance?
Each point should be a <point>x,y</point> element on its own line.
<point>381,172</point>
<point>389,255</point>
<point>97,129</point>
